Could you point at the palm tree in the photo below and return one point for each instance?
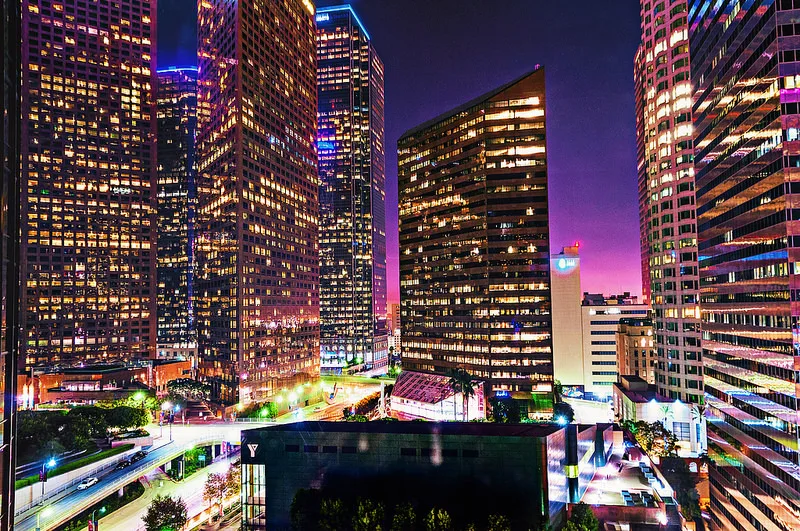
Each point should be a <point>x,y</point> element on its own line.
<point>462,382</point>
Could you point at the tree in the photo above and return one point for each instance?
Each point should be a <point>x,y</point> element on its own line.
<point>583,517</point>
<point>165,514</point>
<point>369,516</point>
<point>565,411</point>
<point>438,520</point>
<point>654,438</point>
<point>216,489</point>
<point>498,522</point>
<point>570,526</point>
<point>305,510</point>
<point>677,474</point>
<point>332,515</point>
<point>124,417</point>
<point>558,391</point>
<point>404,518</point>
<point>461,382</point>
<point>504,410</point>
<point>188,388</point>
<point>95,416</point>
<point>234,479</point>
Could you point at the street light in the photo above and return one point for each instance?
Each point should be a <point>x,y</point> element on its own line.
<point>92,521</point>
<point>47,465</point>
<point>44,512</point>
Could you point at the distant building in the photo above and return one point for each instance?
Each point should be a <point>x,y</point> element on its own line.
<point>565,291</point>
<point>636,354</point>
<point>352,190</point>
<point>636,400</point>
<point>418,395</point>
<point>394,316</point>
<point>177,197</point>
<point>474,241</point>
<point>601,316</point>
<point>395,343</point>
<point>525,462</point>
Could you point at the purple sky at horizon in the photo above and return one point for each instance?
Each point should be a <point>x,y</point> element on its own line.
<point>440,54</point>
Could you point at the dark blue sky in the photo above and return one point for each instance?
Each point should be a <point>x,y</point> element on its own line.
<point>441,53</point>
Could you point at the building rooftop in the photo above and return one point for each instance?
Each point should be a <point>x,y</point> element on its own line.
<point>422,387</point>
<point>481,429</point>
<point>638,390</point>
<point>471,103</point>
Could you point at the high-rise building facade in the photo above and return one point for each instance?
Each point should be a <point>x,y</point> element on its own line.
<point>9,257</point>
<point>565,292</point>
<point>474,241</point>
<point>177,120</point>
<point>256,227</point>
<point>352,213</point>
<point>88,269</point>
<point>747,163</point>
<point>667,198</point>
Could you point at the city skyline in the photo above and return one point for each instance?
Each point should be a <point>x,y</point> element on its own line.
<point>591,148</point>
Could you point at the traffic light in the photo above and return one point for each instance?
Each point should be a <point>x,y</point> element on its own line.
<point>43,475</point>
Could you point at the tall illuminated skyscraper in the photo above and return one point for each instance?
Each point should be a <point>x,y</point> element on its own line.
<point>747,161</point>
<point>177,120</point>
<point>667,200</point>
<point>256,232</point>
<point>9,257</point>
<point>474,241</point>
<point>352,193</point>
<point>88,166</point>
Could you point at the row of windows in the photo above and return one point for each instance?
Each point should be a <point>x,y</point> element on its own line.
<point>405,452</point>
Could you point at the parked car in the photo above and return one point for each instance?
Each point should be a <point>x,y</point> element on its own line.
<point>122,464</point>
<point>138,456</point>
<point>86,483</point>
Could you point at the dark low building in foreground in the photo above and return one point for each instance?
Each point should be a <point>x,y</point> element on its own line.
<point>471,470</point>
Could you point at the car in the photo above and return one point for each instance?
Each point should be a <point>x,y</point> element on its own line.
<point>122,464</point>
<point>86,483</point>
<point>138,456</point>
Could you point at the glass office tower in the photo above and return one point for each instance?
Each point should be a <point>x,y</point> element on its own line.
<point>88,163</point>
<point>256,229</point>
<point>352,193</point>
<point>747,155</point>
<point>667,199</point>
<point>9,257</point>
<point>177,120</point>
<point>474,241</point>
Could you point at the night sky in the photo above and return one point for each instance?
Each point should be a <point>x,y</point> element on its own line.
<point>441,53</point>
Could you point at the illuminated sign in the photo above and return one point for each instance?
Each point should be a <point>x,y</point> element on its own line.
<point>322,17</point>
<point>566,263</point>
<point>501,394</point>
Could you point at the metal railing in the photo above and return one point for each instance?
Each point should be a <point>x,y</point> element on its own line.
<point>132,475</point>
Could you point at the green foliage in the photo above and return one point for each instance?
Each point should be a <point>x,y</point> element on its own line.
<point>125,417</point>
<point>404,518</point>
<point>583,517</point>
<point>571,526</point>
<point>654,438</point>
<point>438,520</point>
<point>499,522</point>
<point>504,410</point>
<point>189,389</point>
<point>165,514</point>
<point>677,474</point>
<point>562,409</point>
<point>462,382</point>
<point>332,515</point>
<point>305,510</point>
<point>95,416</point>
<point>369,516</point>
<point>220,487</point>
<point>558,391</point>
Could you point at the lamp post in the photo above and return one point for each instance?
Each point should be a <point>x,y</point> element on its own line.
<point>172,408</point>
<point>92,522</point>
<point>46,465</point>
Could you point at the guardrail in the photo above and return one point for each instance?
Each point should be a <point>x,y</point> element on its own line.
<point>52,495</point>
<point>132,475</point>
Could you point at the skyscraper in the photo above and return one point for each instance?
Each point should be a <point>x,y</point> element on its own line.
<point>352,193</point>
<point>747,161</point>
<point>474,241</point>
<point>9,257</point>
<point>565,290</point>
<point>256,232</point>
<point>177,120</point>
<point>666,194</point>
<point>88,164</point>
